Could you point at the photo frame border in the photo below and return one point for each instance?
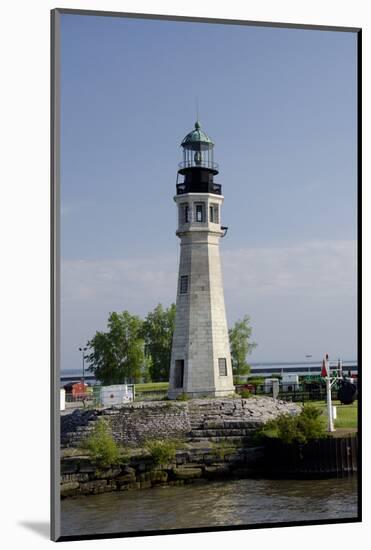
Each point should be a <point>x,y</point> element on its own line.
<point>55,269</point>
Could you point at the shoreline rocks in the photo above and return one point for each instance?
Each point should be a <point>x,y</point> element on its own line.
<point>141,473</point>
<point>219,436</point>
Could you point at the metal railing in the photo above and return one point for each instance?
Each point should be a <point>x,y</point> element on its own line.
<point>200,164</point>
<point>297,393</point>
<point>70,398</point>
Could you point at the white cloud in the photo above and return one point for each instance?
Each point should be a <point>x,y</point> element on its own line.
<point>303,293</point>
<point>119,282</point>
<point>311,268</point>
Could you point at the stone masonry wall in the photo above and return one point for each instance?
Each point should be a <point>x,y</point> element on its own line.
<point>80,476</point>
<point>196,420</point>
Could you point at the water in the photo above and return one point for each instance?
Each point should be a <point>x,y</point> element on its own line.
<point>225,503</point>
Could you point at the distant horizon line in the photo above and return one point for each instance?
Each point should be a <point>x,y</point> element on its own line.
<point>253,364</point>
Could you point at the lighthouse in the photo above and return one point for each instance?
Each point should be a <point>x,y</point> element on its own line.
<point>200,358</point>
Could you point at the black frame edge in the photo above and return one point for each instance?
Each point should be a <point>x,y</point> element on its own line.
<point>359,264</point>
<point>189,18</point>
<point>54,276</point>
<point>67,538</point>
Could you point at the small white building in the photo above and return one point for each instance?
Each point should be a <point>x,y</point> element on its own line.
<point>62,399</point>
<point>117,394</point>
<point>290,382</point>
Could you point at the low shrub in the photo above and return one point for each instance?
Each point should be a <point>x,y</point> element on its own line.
<point>237,381</point>
<point>245,394</point>
<point>183,397</point>
<point>101,445</point>
<point>161,451</point>
<point>256,380</point>
<point>301,428</point>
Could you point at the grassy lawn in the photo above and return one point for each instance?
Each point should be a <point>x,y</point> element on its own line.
<point>152,386</point>
<point>346,414</point>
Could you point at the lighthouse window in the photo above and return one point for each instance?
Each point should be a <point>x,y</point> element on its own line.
<point>222,366</point>
<point>183,284</point>
<point>179,373</point>
<point>184,213</point>
<point>214,213</point>
<point>200,212</point>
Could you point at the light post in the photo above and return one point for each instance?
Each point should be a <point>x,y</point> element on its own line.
<point>83,350</point>
<point>329,401</point>
<point>340,368</point>
<point>327,375</point>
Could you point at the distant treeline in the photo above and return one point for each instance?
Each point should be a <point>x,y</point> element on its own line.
<point>136,350</point>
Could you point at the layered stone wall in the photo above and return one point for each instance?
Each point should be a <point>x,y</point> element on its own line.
<point>196,420</point>
<point>130,424</point>
<point>80,476</point>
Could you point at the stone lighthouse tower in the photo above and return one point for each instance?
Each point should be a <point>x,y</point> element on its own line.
<point>200,358</point>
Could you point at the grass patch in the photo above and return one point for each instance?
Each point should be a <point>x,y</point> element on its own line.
<point>347,415</point>
<point>152,386</point>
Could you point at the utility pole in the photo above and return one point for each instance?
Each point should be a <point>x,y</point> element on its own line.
<point>83,350</point>
<point>329,400</point>
<point>329,383</point>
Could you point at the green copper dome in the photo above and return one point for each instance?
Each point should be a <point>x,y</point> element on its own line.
<point>197,139</point>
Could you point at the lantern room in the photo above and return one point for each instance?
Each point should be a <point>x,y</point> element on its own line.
<point>198,150</point>
<point>198,166</point>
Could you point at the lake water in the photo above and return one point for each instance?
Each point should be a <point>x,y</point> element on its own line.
<point>226,503</point>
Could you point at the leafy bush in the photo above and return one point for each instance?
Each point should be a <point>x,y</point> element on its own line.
<point>256,380</point>
<point>309,424</point>
<point>161,451</point>
<point>101,445</point>
<point>245,394</point>
<point>237,380</point>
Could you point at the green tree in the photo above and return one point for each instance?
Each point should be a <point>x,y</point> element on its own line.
<point>117,356</point>
<point>158,329</point>
<point>241,346</point>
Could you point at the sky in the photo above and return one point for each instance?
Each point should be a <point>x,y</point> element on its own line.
<point>280,105</point>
